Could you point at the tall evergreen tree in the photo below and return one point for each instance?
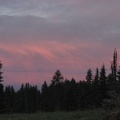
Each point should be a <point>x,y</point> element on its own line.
<point>57,78</point>
<point>96,79</point>
<point>44,97</point>
<point>2,107</point>
<point>103,75</point>
<point>103,87</point>
<point>89,76</point>
<point>56,91</point>
<point>20,100</point>
<point>9,99</point>
<point>114,66</point>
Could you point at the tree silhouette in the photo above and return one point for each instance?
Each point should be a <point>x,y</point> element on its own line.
<point>103,85</point>
<point>44,97</point>
<point>62,94</point>
<point>57,78</point>
<point>9,99</point>
<point>2,107</point>
<point>89,76</point>
<point>114,66</point>
<point>103,75</point>
<point>97,77</point>
<point>118,74</point>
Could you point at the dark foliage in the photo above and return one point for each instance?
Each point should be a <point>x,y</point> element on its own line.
<point>2,105</point>
<point>62,95</point>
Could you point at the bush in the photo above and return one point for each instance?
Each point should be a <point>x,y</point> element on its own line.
<point>112,106</point>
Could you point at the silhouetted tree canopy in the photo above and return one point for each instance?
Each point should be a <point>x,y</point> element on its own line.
<point>89,76</point>
<point>57,78</point>
<point>62,94</point>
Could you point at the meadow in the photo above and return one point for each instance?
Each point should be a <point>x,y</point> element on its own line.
<point>78,115</point>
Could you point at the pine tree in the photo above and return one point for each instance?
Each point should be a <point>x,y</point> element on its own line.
<point>44,97</point>
<point>57,78</point>
<point>56,91</point>
<point>9,99</point>
<point>89,76</point>
<point>114,66</point>
<point>2,107</point>
<point>96,79</point>
<point>103,75</point>
<point>20,100</point>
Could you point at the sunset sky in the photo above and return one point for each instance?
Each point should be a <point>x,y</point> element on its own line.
<point>37,37</point>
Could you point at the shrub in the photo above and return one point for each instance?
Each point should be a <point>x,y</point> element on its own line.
<point>112,106</point>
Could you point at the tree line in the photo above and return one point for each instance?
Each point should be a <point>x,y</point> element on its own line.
<point>62,94</point>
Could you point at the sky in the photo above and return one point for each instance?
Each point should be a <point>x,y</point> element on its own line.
<point>37,37</point>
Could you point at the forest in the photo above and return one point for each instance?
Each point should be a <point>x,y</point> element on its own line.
<point>63,94</point>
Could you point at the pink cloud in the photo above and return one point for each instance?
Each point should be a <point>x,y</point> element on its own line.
<point>37,62</point>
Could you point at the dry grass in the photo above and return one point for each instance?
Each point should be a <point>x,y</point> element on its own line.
<point>78,115</point>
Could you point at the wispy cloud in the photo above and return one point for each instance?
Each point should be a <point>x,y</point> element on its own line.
<point>40,36</point>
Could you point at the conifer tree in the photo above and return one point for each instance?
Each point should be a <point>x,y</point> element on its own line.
<point>2,109</point>
<point>9,99</point>
<point>103,75</point>
<point>96,79</point>
<point>103,87</point>
<point>89,76</point>
<point>57,78</point>
<point>44,97</point>
<point>114,66</point>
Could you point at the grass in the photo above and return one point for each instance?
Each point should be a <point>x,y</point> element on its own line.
<point>78,115</point>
